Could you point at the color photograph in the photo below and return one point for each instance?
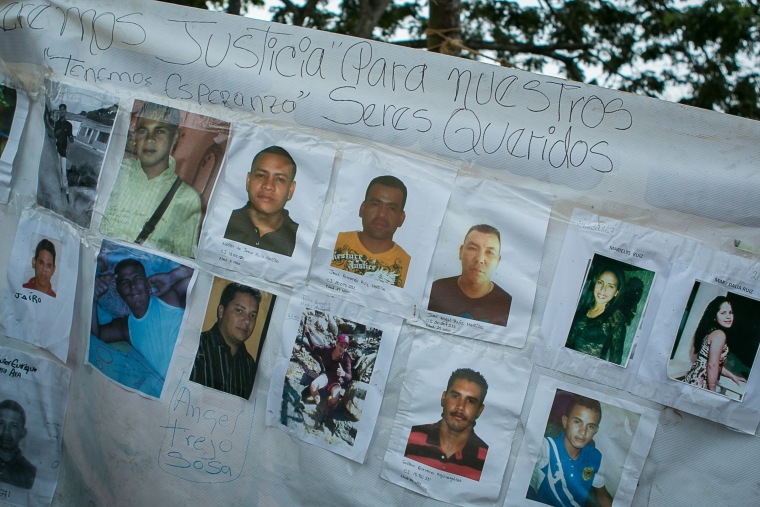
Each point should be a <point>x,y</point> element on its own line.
<point>581,448</point>
<point>482,279</point>
<point>78,127</point>
<point>267,203</point>
<point>235,326</point>
<point>455,420</point>
<point>572,467</point>
<point>138,306</point>
<point>325,386</point>
<point>717,341</point>
<point>329,377</point>
<point>170,164</point>
<point>610,307</point>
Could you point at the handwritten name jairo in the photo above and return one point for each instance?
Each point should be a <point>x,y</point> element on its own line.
<point>29,297</point>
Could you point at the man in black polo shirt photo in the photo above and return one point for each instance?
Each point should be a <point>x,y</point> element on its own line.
<point>451,444</point>
<point>223,363</point>
<point>264,222</point>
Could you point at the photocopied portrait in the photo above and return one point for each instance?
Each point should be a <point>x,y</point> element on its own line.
<point>381,232</point>
<point>264,222</point>
<point>79,124</point>
<point>451,444</point>
<point>15,469</point>
<point>328,380</point>
<point>610,306</point>
<point>707,327</point>
<point>580,448</point>
<point>171,160</point>
<point>236,324</point>
<point>482,280</point>
<point>609,282</point>
<point>33,399</point>
<point>38,303</point>
<point>717,342</point>
<point>456,416</point>
<point>267,205</point>
<point>138,306</point>
<point>371,251</point>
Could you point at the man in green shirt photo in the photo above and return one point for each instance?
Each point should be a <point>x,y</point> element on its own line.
<point>149,203</point>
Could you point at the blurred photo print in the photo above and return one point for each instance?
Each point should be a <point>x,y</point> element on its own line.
<point>78,127</point>
<point>170,164</point>
<point>329,377</point>
<point>611,303</point>
<point>717,340</point>
<point>581,448</point>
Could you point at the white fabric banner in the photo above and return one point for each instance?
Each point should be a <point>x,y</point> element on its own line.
<point>348,110</point>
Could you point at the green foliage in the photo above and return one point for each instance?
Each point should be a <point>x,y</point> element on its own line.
<point>706,55</point>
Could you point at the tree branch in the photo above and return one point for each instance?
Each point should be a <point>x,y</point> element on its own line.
<point>536,49</point>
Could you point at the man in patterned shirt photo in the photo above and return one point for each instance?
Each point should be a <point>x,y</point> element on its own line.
<point>372,252</point>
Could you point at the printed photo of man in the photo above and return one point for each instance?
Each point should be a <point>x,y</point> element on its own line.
<point>63,131</point>
<point>451,444</point>
<point>78,125</point>
<point>155,310</point>
<point>7,113</point>
<point>15,469</point>
<point>569,470</point>
<point>264,222</point>
<point>336,374</point>
<point>149,201</point>
<point>473,294</point>
<point>223,362</point>
<point>43,264</point>
<point>372,252</point>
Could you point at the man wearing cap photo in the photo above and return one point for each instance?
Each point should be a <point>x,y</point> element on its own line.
<point>336,369</point>
<point>149,202</point>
